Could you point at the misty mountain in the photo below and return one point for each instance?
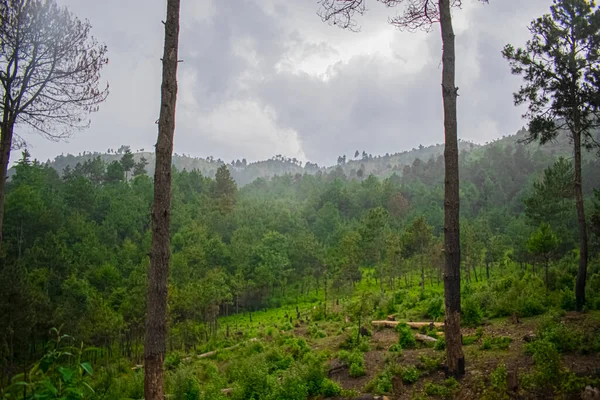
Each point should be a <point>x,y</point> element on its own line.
<point>358,165</point>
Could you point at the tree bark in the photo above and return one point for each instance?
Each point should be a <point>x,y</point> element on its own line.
<point>454,353</point>
<point>6,137</point>
<point>154,349</point>
<point>583,242</point>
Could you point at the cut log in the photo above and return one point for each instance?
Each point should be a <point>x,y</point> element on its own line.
<point>424,338</point>
<point>212,353</point>
<point>227,391</point>
<point>414,325</point>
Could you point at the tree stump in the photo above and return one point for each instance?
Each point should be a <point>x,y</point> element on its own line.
<point>397,386</point>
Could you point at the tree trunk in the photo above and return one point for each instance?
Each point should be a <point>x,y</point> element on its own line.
<point>154,349</point>
<point>454,353</point>
<point>546,273</point>
<point>487,269</point>
<point>6,137</point>
<point>583,243</point>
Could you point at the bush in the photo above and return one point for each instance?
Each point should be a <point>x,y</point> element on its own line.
<point>440,345</point>
<point>251,377</point>
<point>381,383</point>
<point>524,296</point>
<point>185,385</point>
<point>553,330</point>
<point>406,338</point>
<point>409,375</point>
<point>435,308</point>
<point>355,360</point>
<point>350,341</point>
<point>498,343</point>
<point>173,360</point>
<point>292,385</point>
<point>471,314</point>
<point>316,333</point>
<point>276,360</point>
<point>447,390</point>
<point>395,348</point>
<point>429,364</point>
<point>547,362</point>
<point>330,388</point>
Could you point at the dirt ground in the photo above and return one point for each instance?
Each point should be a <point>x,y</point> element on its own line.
<point>479,363</point>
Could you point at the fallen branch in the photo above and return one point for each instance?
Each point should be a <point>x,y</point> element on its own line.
<point>414,325</point>
<point>424,338</point>
<point>212,353</point>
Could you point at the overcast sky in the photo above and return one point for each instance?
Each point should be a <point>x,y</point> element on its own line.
<point>266,77</point>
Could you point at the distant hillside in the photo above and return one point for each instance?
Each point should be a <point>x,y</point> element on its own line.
<point>360,166</point>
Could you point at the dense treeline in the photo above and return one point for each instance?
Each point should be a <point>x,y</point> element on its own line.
<point>77,244</point>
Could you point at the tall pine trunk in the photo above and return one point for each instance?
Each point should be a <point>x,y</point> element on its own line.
<point>583,242</point>
<point>454,353</point>
<point>154,349</point>
<point>6,138</point>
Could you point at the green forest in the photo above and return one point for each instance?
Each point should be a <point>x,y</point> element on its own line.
<point>139,275</point>
<point>245,259</point>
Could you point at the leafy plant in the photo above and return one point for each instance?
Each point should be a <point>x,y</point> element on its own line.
<point>406,339</point>
<point>59,374</point>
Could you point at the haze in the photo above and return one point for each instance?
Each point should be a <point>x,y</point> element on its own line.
<point>266,77</point>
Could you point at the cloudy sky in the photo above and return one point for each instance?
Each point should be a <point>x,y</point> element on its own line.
<point>266,77</point>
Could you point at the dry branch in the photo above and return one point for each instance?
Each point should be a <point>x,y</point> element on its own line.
<point>414,325</point>
<point>212,353</point>
<point>424,338</point>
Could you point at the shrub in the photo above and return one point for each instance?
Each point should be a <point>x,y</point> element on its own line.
<point>251,376</point>
<point>429,364</point>
<point>410,375</point>
<point>185,385</point>
<point>172,360</point>
<point>350,341</point>
<point>435,308</point>
<point>276,360</point>
<point>525,296</point>
<point>469,340</point>
<point>395,348</point>
<point>471,314</point>
<point>498,343</point>
<point>440,345</point>
<point>316,333</point>
<point>381,383</point>
<point>292,385</point>
<point>406,338</point>
<point>355,360</point>
<point>553,330</point>
<point>330,388</point>
<point>446,390</point>
<point>547,362</point>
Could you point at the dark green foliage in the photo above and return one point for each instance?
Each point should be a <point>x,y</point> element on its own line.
<point>435,308</point>
<point>440,345</point>
<point>471,313</point>
<point>59,374</point>
<point>355,361</point>
<point>429,364</point>
<point>406,338</point>
<point>410,374</point>
<point>76,245</point>
<point>186,386</point>
<point>446,390</point>
<point>496,343</point>
<point>555,331</point>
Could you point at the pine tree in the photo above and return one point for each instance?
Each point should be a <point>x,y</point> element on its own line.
<point>560,65</point>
